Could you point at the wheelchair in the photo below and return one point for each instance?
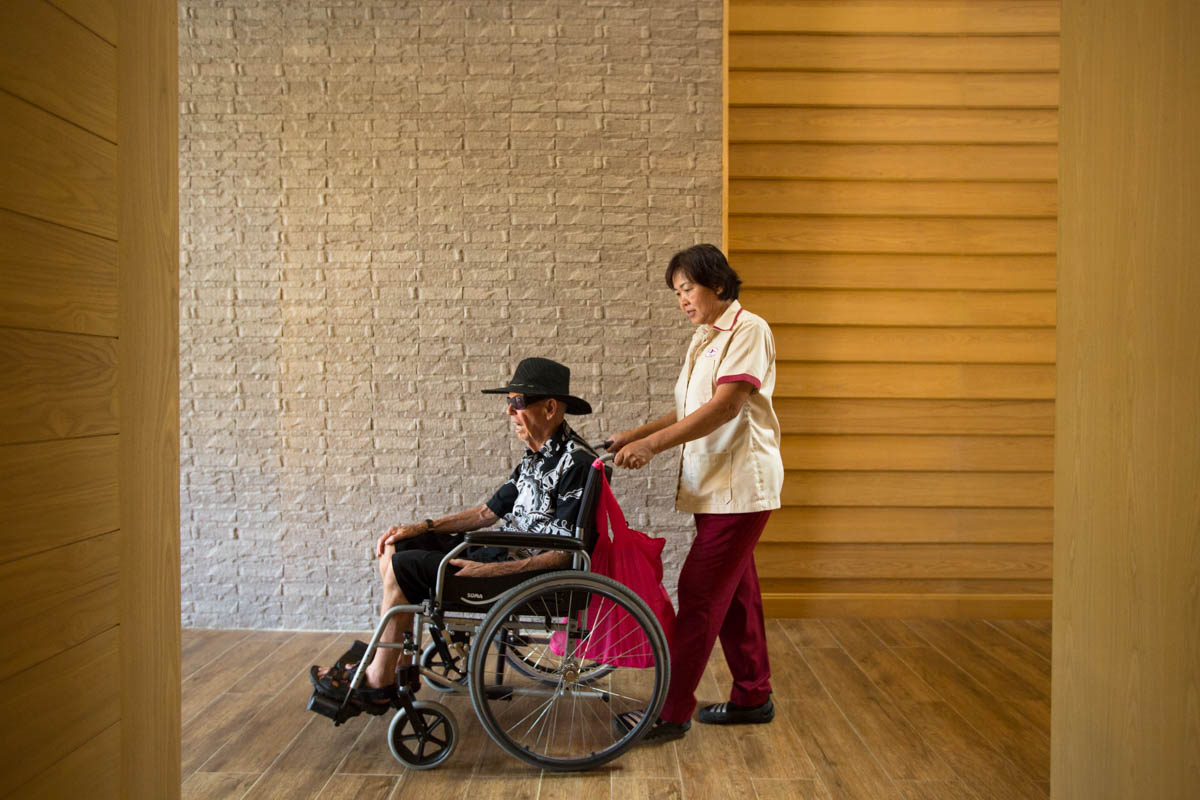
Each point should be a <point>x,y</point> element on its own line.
<point>541,687</point>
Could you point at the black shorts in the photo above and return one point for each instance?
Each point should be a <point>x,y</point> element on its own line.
<point>416,563</point>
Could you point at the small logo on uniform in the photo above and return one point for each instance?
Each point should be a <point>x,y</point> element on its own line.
<point>711,352</point>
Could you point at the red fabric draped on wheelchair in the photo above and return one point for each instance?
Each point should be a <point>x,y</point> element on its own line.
<point>633,559</point>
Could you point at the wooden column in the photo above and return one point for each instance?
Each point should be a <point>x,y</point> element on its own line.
<point>1126,692</point>
<point>148,239</point>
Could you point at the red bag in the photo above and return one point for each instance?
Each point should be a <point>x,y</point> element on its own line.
<point>634,559</point>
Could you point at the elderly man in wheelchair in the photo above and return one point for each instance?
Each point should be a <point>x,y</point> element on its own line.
<point>513,617</point>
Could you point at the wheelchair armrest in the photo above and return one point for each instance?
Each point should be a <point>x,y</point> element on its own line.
<point>522,540</point>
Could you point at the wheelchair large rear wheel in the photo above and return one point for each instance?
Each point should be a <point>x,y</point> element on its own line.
<point>561,715</point>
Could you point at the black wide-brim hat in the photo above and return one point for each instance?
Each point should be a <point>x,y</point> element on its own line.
<point>543,376</point>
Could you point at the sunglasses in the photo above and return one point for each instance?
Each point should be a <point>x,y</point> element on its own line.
<point>524,401</point>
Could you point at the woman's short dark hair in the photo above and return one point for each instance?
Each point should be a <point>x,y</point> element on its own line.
<point>705,264</point>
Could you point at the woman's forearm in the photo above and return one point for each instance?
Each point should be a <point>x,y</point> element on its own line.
<point>654,426</point>
<point>725,405</point>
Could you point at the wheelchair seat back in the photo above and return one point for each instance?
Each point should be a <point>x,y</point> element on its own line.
<point>477,594</point>
<point>585,523</point>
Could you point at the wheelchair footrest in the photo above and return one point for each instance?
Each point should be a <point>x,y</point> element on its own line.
<point>336,710</point>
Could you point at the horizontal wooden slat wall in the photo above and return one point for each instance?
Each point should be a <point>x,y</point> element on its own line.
<point>59,445</point>
<point>892,205</point>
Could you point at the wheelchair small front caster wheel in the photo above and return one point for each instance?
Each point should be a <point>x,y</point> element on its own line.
<point>424,740</point>
<point>450,673</point>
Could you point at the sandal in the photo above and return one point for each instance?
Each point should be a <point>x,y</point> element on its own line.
<point>336,680</point>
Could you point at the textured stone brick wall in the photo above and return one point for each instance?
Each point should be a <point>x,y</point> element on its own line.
<point>384,206</point>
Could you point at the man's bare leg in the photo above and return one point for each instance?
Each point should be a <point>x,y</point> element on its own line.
<point>382,669</point>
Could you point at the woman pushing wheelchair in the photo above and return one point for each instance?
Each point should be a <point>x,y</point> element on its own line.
<point>730,479</point>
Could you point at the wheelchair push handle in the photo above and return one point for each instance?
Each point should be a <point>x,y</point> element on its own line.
<point>605,457</point>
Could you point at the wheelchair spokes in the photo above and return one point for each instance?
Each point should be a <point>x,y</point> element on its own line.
<point>444,673</point>
<point>556,709</point>
<point>425,738</point>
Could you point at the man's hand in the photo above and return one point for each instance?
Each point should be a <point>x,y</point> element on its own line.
<point>396,533</point>
<point>479,569</point>
<point>634,455</point>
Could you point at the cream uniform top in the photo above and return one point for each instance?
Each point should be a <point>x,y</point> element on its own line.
<point>737,468</point>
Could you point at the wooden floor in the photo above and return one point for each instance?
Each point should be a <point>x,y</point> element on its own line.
<point>867,709</point>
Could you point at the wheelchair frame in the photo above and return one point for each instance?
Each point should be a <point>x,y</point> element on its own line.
<point>424,734</point>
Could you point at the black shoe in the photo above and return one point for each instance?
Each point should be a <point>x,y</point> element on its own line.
<point>659,732</point>
<point>733,714</point>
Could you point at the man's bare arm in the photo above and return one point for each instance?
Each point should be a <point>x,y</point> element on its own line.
<point>476,569</point>
<point>471,519</point>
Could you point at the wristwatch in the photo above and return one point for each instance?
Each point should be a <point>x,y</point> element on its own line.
<point>428,526</point>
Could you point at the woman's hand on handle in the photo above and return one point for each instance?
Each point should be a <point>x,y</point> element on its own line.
<point>619,440</point>
<point>634,455</point>
<point>637,437</point>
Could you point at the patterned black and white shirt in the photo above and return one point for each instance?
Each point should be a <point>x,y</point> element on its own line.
<point>544,492</point>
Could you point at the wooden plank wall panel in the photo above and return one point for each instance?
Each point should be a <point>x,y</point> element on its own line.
<point>52,170</point>
<point>904,307</point>
<point>967,417</point>
<point>892,204</point>
<point>888,270</point>
<point>909,524</point>
<point>57,492</point>
<point>77,583</point>
<point>854,161</point>
<point>98,16</point>
<point>74,78</point>
<point>898,452</point>
<point>60,561</point>
<point>892,198</point>
<point>830,124</point>
<point>896,16</point>
<point>62,703</point>
<point>95,765</point>
<point>54,278</point>
<point>56,386</point>
<point>928,345</point>
<point>975,54</point>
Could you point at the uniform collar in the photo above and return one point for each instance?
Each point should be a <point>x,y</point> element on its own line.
<point>729,318</point>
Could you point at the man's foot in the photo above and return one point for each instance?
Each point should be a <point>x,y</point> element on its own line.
<point>334,681</point>
<point>661,731</point>
<point>733,714</point>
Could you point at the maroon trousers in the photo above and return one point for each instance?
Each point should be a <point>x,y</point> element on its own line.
<point>719,596</point>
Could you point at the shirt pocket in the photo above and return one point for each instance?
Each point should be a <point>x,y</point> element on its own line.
<point>708,476</point>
